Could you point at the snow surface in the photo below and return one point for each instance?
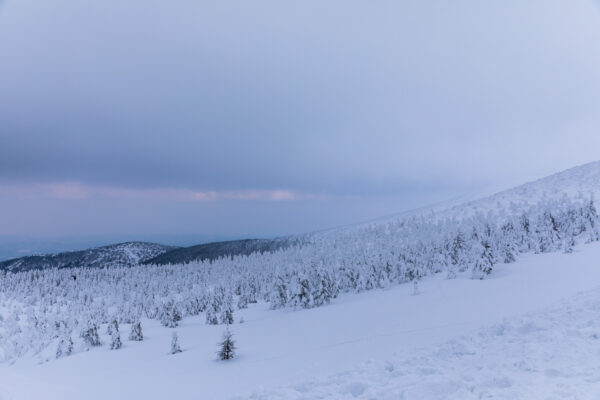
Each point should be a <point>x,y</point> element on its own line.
<point>530,331</point>
<point>549,354</point>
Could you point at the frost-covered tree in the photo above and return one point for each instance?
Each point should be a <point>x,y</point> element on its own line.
<point>242,302</point>
<point>484,263</point>
<point>65,346</point>
<point>279,294</point>
<point>214,306</point>
<point>90,335</point>
<point>196,305</point>
<point>112,327</point>
<point>324,288</point>
<point>115,335</point>
<point>175,348</point>
<point>415,290</point>
<point>136,332</point>
<point>508,243</point>
<point>212,315</point>
<point>226,316</point>
<point>458,251</point>
<point>170,314</point>
<point>301,295</point>
<point>226,346</point>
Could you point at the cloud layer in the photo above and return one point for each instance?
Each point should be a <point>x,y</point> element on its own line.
<point>295,102</point>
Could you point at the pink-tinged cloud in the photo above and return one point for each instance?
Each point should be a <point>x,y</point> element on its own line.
<point>79,191</point>
<point>67,190</point>
<point>265,195</point>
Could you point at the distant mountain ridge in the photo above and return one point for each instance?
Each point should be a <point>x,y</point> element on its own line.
<point>212,251</point>
<point>121,254</point>
<point>134,253</point>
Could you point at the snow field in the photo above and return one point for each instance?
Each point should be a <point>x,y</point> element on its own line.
<point>550,354</point>
<point>400,332</point>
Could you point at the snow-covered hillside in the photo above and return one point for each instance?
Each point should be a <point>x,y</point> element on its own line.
<point>326,305</point>
<point>529,332</point>
<point>576,184</point>
<point>581,182</point>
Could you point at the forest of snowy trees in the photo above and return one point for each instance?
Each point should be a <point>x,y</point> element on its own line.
<point>64,309</point>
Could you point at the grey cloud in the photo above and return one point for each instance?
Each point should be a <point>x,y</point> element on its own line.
<point>347,98</point>
<point>270,94</point>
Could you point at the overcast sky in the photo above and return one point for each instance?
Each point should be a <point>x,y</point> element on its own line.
<point>258,118</point>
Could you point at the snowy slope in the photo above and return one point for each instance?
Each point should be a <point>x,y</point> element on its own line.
<point>577,183</point>
<point>458,338</point>
<point>581,182</point>
<point>547,354</point>
<point>428,346</point>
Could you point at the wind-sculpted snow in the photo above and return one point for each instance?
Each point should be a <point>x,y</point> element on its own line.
<point>53,306</point>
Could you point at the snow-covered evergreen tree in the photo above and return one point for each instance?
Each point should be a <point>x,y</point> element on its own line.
<point>301,295</point>
<point>227,346</point>
<point>112,327</point>
<point>65,346</point>
<point>226,316</point>
<point>211,316</point>
<point>115,335</point>
<point>279,293</point>
<point>170,314</point>
<point>242,302</point>
<point>90,335</point>
<point>175,348</point>
<point>415,291</point>
<point>484,263</point>
<point>136,332</point>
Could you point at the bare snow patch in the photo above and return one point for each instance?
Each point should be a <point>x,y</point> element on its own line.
<point>550,354</point>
